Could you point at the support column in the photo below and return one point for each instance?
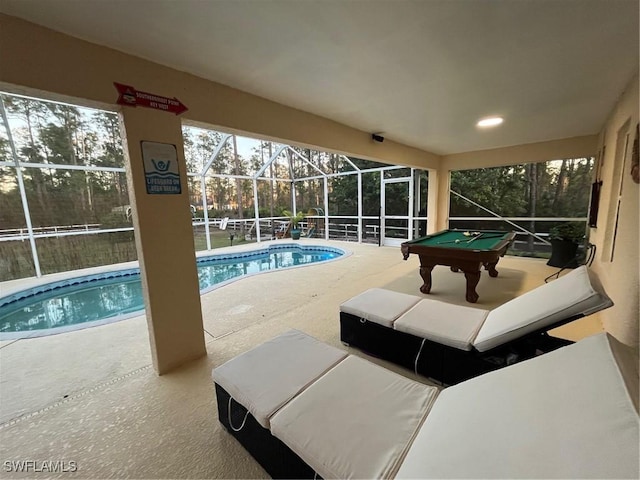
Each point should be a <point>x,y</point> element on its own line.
<point>164,241</point>
<point>360,221</point>
<point>442,182</point>
<point>432,201</point>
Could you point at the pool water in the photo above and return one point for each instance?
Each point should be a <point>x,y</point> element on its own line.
<point>91,300</point>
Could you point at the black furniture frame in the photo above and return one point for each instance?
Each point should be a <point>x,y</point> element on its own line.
<point>271,453</point>
<point>447,365</point>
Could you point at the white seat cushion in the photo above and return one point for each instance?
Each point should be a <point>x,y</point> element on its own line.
<point>379,305</point>
<point>356,421</point>
<point>566,414</point>
<point>578,292</point>
<point>268,376</point>
<point>445,323</point>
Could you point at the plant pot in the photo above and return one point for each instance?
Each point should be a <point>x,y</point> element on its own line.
<point>563,254</point>
<point>295,234</point>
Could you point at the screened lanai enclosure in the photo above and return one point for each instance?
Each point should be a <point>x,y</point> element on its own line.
<point>64,203</point>
<point>252,187</point>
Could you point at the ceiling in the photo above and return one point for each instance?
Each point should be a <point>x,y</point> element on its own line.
<point>421,72</point>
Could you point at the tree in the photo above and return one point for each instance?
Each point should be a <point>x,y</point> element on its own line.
<point>11,213</point>
<point>50,133</point>
<point>31,114</point>
<point>499,189</point>
<point>343,197</point>
<point>108,152</point>
<point>559,188</point>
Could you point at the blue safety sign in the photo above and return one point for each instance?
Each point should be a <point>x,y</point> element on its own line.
<point>161,171</point>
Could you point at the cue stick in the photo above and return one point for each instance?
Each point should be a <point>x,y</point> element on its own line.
<point>492,236</point>
<point>469,241</point>
<point>475,238</point>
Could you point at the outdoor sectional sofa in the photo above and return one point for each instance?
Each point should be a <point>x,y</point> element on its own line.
<point>451,343</point>
<point>305,409</point>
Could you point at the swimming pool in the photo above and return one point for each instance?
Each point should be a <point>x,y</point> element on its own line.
<point>97,299</point>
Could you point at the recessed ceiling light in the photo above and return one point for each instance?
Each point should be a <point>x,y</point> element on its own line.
<point>490,121</point>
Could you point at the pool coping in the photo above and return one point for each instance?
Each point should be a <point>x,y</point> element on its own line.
<point>75,277</point>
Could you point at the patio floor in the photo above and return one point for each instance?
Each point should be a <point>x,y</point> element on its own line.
<point>92,397</point>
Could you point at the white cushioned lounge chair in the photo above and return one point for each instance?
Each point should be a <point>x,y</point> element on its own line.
<point>451,343</point>
<point>572,413</point>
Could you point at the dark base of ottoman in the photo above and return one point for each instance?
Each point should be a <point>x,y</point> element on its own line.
<point>274,456</point>
<point>380,341</point>
<point>445,364</point>
<point>442,363</point>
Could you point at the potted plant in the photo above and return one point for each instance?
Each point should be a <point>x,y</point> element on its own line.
<point>295,220</point>
<point>565,239</point>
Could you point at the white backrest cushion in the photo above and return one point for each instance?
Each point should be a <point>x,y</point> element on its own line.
<point>576,293</point>
<point>445,323</point>
<point>379,305</point>
<point>565,414</point>
<point>266,377</point>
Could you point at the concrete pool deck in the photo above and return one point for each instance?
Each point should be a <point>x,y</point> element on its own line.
<point>91,396</point>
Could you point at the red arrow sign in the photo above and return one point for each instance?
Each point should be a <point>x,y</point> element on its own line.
<point>133,98</point>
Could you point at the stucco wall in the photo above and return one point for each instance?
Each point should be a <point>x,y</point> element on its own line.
<point>620,275</point>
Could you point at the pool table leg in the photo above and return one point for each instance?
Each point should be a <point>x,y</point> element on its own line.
<point>491,268</point>
<point>425,273</point>
<point>473,277</point>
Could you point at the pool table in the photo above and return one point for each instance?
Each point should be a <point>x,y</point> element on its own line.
<point>461,250</point>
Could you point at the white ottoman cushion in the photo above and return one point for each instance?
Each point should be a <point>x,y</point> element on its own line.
<point>445,323</point>
<point>379,305</point>
<point>268,376</point>
<point>356,421</point>
<point>576,293</point>
<point>566,414</point>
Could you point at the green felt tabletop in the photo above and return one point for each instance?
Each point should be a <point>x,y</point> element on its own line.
<point>447,239</point>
